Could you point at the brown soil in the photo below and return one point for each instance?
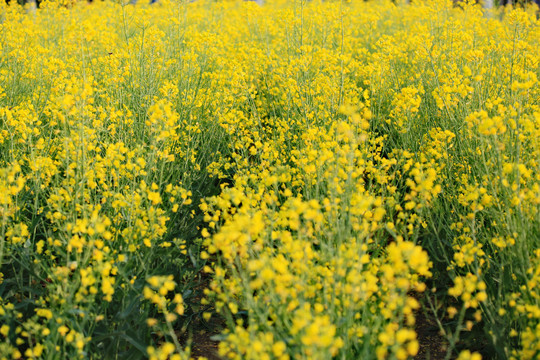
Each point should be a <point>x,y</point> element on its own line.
<point>432,344</point>
<point>202,344</point>
<point>200,333</point>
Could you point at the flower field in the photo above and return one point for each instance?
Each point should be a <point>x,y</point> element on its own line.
<point>312,176</point>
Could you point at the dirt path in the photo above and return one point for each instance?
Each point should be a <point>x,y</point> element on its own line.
<point>432,343</point>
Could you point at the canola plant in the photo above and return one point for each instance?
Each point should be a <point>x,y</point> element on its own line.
<point>314,174</point>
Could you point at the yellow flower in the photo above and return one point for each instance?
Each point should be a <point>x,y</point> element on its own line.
<point>154,197</point>
<point>62,330</point>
